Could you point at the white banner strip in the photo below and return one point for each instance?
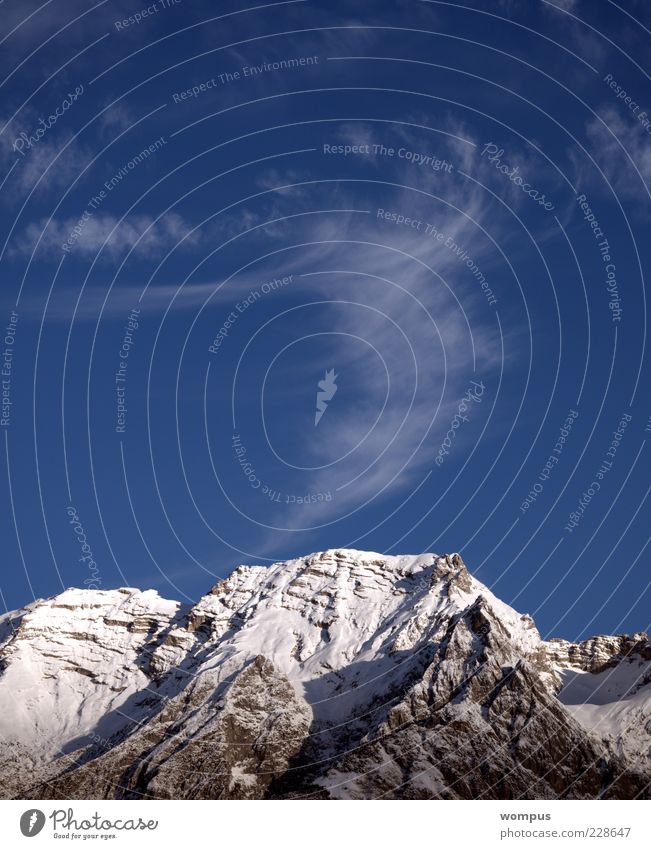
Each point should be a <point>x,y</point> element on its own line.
<point>301,824</point>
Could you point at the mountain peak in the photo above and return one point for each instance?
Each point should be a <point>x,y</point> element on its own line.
<point>281,680</point>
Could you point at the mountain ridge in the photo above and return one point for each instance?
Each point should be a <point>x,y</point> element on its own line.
<point>342,674</point>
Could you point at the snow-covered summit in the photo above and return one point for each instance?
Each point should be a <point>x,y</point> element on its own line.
<point>296,663</point>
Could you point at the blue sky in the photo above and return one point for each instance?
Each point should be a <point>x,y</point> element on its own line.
<point>208,208</point>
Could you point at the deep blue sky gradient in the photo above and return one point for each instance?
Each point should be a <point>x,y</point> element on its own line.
<point>240,191</point>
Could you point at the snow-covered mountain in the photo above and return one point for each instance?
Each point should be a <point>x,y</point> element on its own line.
<point>344,674</point>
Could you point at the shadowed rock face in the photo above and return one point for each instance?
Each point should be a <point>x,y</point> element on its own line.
<point>343,674</point>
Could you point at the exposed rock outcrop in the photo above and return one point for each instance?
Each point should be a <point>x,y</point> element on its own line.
<point>343,674</point>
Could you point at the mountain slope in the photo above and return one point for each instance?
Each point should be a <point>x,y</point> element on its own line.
<point>343,674</point>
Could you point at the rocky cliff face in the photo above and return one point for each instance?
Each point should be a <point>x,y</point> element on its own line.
<point>344,674</point>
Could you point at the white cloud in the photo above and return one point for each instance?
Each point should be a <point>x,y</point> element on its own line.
<point>54,160</point>
<point>115,120</point>
<point>613,160</point>
<point>438,371</point>
<point>102,231</point>
<point>425,341</point>
<point>351,242</point>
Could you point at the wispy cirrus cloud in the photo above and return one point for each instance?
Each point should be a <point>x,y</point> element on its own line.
<point>103,232</point>
<point>606,142</point>
<point>53,162</point>
<point>421,348</point>
<point>426,332</point>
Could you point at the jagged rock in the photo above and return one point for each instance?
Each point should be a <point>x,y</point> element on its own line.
<point>343,674</point>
